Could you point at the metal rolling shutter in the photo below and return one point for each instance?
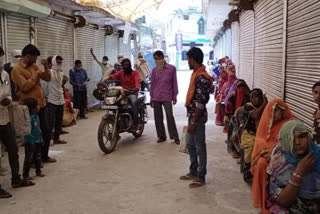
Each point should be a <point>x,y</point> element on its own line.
<point>228,45</point>
<point>246,46</point>
<point>268,58</point>
<point>1,30</point>
<point>87,38</point>
<point>18,31</point>
<point>111,48</point>
<point>125,49</point>
<point>235,27</point>
<point>303,57</point>
<point>55,37</point>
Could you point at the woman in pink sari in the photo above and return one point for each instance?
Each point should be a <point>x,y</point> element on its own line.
<point>219,96</point>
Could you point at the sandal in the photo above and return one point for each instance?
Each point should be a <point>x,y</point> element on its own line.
<point>235,155</point>
<point>197,183</point>
<point>4,194</point>
<point>188,177</point>
<point>23,183</point>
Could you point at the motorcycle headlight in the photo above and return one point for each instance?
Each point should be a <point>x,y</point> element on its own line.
<point>110,100</point>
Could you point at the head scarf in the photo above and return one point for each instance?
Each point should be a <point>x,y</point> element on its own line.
<point>57,68</point>
<point>267,133</point>
<point>14,53</point>
<point>284,160</point>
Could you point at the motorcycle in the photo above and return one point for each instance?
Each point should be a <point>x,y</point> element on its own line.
<point>118,116</point>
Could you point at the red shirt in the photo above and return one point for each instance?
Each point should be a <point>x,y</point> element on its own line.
<point>130,81</point>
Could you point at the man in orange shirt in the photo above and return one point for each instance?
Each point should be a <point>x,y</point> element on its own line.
<point>26,75</point>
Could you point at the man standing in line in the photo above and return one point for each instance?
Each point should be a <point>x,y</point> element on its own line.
<point>26,75</point>
<point>78,79</point>
<point>118,65</point>
<point>106,67</point>
<point>143,67</point>
<point>56,99</point>
<point>6,131</point>
<point>197,97</point>
<point>163,92</point>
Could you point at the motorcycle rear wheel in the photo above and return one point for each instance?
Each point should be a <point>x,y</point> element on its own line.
<point>106,143</point>
<point>140,129</point>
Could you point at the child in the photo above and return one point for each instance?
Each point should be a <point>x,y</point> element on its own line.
<point>33,141</point>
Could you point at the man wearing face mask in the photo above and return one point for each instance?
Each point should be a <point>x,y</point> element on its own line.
<point>56,99</point>
<point>143,67</point>
<point>15,57</point>
<point>106,67</point>
<point>163,92</point>
<point>118,65</point>
<point>131,82</point>
<point>26,75</point>
<point>78,79</point>
<point>6,131</point>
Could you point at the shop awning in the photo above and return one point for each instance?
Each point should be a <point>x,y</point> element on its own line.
<point>128,10</point>
<point>25,7</point>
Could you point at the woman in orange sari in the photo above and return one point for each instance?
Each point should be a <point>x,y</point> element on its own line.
<point>275,114</point>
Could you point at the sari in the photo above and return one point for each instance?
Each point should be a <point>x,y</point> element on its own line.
<point>69,114</point>
<point>283,163</point>
<point>219,98</point>
<point>266,140</point>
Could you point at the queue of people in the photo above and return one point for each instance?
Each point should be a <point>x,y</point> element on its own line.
<point>49,103</point>
<point>279,156</point>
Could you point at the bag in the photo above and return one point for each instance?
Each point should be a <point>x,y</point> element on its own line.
<point>20,119</point>
<point>184,140</point>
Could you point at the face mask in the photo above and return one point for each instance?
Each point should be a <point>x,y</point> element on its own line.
<point>57,67</point>
<point>1,61</point>
<point>15,60</point>
<point>105,62</point>
<point>127,70</point>
<point>160,64</point>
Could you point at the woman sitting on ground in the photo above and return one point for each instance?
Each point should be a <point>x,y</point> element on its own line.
<point>70,114</point>
<point>275,114</point>
<point>294,172</point>
<point>248,121</point>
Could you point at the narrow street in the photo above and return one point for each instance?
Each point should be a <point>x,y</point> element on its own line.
<point>139,177</point>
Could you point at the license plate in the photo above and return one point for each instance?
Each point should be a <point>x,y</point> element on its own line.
<point>109,107</point>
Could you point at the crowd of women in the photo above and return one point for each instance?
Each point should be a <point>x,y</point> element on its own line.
<point>278,155</point>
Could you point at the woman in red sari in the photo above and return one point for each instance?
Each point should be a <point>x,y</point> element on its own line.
<point>219,97</point>
<point>275,114</point>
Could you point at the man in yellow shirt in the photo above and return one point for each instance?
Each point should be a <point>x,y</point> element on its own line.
<point>26,75</point>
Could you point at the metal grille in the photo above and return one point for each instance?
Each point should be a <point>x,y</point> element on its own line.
<point>303,57</point>
<point>18,31</point>
<point>111,48</point>
<point>246,46</point>
<point>235,44</point>
<point>269,47</point>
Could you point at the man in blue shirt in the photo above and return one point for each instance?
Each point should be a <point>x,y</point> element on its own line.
<point>78,79</point>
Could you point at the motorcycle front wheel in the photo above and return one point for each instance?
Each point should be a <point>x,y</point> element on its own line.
<point>106,142</point>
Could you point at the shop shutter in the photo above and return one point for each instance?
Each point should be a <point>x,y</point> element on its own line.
<point>111,48</point>
<point>235,27</point>
<point>303,57</point>
<point>246,46</point>
<point>55,37</point>
<point>88,37</point>
<point>18,31</point>
<point>268,52</point>
<point>1,30</point>
<point>125,49</point>
<point>228,44</point>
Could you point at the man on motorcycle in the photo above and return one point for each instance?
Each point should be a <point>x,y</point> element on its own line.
<point>130,81</point>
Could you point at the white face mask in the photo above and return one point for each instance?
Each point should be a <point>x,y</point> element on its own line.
<point>105,62</point>
<point>1,61</point>
<point>57,67</point>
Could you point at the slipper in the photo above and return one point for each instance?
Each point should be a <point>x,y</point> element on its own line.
<point>238,161</point>
<point>188,177</point>
<point>24,183</point>
<point>197,183</point>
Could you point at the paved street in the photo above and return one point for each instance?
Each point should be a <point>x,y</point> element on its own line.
<point>139,177</point>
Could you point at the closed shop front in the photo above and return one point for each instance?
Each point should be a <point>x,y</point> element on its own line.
<point>269,45</point>
<point>228,43</point>
<point>246,46</point>
<point>125,49</point>
<point>235,27</point>
<point>88,37</point>
<point>55,37</point>
<point>111,48</point>
<point>18,31</point>
<point>303,57</point>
